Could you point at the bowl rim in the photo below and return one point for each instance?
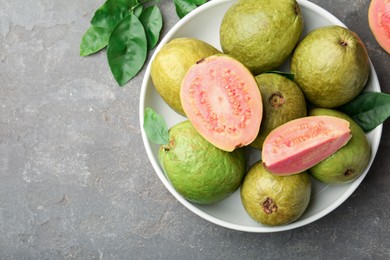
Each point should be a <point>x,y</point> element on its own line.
<point>253,229</point>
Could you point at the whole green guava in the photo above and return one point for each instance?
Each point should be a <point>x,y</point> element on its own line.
<point>199,171</point>
<point>331,66</point>
<point>275,200</point>
<point>261,34</point>
<point>349,162</point>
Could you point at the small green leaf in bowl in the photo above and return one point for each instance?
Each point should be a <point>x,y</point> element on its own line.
<point>155,127</point>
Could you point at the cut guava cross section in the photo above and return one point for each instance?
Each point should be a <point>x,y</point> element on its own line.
<point>221,99</point>
<point>302,143</point>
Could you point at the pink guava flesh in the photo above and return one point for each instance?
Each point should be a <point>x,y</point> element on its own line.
<point>220,97</point>
<point>379,22</point>
<point>302,143</point>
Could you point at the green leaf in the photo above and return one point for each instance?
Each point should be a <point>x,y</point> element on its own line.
<point>94,39</point>
<point>103,22</point>
<point>155,127</point>
<point>184,7</point>
<point>197,2</point>
<point>285,74</point>
<point>369,109</point>
<point>112,12</point>
<point>152,21</point>
<point>137,11</point>
<point>127,49</point>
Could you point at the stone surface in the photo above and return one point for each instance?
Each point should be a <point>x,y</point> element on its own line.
<point>76,182</point>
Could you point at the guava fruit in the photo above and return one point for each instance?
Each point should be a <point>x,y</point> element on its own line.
<point>348,163</point>
<point>283,101</point>
<point>301,143</point>
<point>331,66</point>
<point>198,170</point>
<point>261,34</point>
<point>220,97</point>
<point>379,22</point>
<point>274,200</point>
<point>172,62</point>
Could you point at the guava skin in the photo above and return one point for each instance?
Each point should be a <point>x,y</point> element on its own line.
<point>199,171</point>
<point>283,101</point>
<point>275,200</point>
<point>348,163</point>
<point>172,62</point>
<point>261,34</point>
<point>331,66</point>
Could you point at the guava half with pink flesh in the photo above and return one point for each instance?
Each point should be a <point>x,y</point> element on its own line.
<point>220,97</point>
<point>379,22</point>
<point>302,143</point>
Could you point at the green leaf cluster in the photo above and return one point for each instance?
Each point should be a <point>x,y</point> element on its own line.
<point>129,29</point>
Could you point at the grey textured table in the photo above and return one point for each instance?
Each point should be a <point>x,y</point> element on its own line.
<point>75,179</point>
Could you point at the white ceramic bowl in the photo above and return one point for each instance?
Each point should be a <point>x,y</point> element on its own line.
<point>203,23</point>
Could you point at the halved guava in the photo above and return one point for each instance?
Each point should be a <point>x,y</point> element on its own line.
<point>379,22</point>
<point>220,97</point>
<point>302,143</point>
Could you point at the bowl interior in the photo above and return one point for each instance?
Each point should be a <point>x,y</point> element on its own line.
<point>204,23</point>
